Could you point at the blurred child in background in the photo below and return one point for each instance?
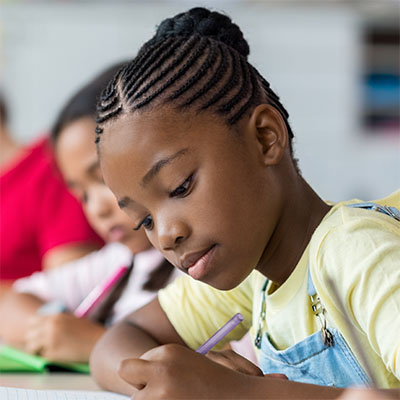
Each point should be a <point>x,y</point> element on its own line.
<point>62,336</point>
<point>41,224</point>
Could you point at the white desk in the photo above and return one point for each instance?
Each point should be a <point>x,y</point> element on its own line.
<point>54,381</point>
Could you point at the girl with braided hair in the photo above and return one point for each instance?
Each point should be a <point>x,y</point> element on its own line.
<point>197,149</point>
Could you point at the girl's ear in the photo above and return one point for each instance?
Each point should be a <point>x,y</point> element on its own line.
<point>270,133</point>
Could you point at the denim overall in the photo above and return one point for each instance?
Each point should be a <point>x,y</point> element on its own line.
<point>324,358</point>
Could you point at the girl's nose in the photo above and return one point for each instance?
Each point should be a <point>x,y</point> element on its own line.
<point>171,235</point>
<point>98,206</point>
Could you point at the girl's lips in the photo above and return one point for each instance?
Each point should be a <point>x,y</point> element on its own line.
<point>202,265</point>
<point>116,234</point>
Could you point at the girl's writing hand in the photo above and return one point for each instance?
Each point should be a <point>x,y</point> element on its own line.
<point>232,360</point>
<point>62,337</point>
<point>176,372</point>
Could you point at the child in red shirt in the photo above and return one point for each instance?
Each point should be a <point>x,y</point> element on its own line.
<point>41,223</point>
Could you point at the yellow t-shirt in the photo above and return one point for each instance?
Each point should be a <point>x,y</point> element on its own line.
<point>358,249</point>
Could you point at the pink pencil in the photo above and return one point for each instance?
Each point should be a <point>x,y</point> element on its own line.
<point>93,298</point>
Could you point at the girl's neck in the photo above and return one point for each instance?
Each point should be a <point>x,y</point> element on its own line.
<point>301,215</point>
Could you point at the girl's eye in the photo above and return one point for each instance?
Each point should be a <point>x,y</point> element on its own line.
<point>182,189</point>
<point>147,223</point>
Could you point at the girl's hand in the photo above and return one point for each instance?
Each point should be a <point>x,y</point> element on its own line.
<point>175,372</point>
<point>62,337</point>
<point>232,360</point>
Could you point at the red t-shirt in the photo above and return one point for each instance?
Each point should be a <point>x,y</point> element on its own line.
<point>37,213</point>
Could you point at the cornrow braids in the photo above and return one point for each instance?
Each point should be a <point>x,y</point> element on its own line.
<point>208,63</point>
<point>221,69</point>
<point>160,54</point>
<point>191,59</point>
<point>243,73</point>
<point>109,105</point>
<point>230,82</point>
<point>197,59</point>
<point>252,92</point>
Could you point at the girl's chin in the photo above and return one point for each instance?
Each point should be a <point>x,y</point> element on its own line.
<point>222,285</point>
<point>224,281</point>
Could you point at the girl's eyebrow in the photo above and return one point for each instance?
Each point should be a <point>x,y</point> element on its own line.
<point>155,169</point>
<point>124,202</point>
<point>151,173</point>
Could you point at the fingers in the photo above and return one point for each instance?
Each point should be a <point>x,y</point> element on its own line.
<point>42,335</point>
<point>35,336</point>
<point>136,372</point>
<point>232,360</point>
<point>276,376</point>
<point>34,347</point>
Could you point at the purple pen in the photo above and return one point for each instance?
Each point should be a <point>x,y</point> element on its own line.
<point>220,334</point>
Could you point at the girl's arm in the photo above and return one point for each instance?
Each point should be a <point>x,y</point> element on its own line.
<point>141,331</point>
<point>135,355</point>
<point>176,372</point>
<point>130,356</point>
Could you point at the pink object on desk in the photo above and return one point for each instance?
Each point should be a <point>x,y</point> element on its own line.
<point>98,293</point>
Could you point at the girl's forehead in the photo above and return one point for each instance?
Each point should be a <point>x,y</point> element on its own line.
<point>135,142</point>
<point>160,127</point>
<point>134,135</point>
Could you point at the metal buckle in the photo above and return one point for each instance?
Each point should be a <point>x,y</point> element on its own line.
<point>319,311</point>
<point>261,317</point>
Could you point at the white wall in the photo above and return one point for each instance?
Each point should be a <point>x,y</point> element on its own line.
<point>309,53</point>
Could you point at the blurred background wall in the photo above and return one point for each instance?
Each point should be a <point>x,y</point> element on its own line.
<point>335,65</point>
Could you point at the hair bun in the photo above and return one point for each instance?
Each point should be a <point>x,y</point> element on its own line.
<point>204,23</point>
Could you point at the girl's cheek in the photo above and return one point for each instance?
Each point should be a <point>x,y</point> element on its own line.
<point>153,239</point>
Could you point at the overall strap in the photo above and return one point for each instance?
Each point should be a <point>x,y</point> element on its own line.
<point>388,210</point>
<point>310,285</point>
<point>316,305</point>
<point>261,316</point>
<point>318,310</point>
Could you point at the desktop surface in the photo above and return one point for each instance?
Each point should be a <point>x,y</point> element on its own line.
<point>50,381</point>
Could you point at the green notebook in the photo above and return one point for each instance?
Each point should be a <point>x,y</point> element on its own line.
<point>13,360</point>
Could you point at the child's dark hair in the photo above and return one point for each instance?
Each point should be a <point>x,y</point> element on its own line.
<point>82,105</point>
<point>196,59</point>
<point>3,112</point>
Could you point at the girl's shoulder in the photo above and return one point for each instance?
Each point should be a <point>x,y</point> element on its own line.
<point>348,219</point>
<point>350,242</point>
